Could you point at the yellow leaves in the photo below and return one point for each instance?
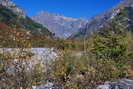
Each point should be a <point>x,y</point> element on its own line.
<point>34,83</point>
<point>61,53</point>
<point>13,53</point>
<point>27,88</point>
<point>62,73</point>
<point>29,46</point>
<point>19,88</point>
<point>23,57</point>
<point>25,73</point>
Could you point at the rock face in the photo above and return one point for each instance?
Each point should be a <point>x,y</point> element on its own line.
<point>62,26</point>
<point>48,85</point>
<point>100,20</point>
<point>39,53</point>
<point>120,84</point>
<point>10,5</point>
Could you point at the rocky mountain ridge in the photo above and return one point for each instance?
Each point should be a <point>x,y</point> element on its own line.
<point>10,5</point>
<point>100,20</point>
<point>62,26</point>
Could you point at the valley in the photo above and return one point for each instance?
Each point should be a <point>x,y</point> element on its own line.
<point>53,51</point>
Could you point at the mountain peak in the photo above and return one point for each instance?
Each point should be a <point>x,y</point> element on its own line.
<point>46,13</point>
<point>61,25</point>
<point>125,3</point>
<point>10,5</point>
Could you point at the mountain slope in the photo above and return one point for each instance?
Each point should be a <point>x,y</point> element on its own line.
<point>100,20</point>
<point>62,26</point>
<point>12,16</point>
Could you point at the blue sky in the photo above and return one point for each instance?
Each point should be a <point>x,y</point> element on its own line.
<point>70,8</point>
